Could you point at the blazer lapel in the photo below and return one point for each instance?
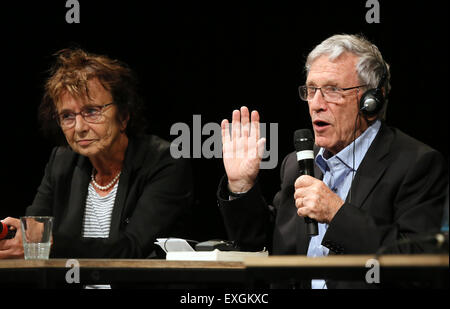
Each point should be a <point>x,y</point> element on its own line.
<point>119,202</point>
<point>73,218</point>
<point>133,160</point>
<point>372,167</point>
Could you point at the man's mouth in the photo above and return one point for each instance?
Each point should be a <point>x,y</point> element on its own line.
<point>320,125</point>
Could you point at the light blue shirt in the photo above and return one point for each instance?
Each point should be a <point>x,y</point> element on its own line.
<point>338,173</point>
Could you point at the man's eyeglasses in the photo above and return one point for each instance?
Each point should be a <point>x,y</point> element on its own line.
<point>329,93</point>
<point>91,114</point>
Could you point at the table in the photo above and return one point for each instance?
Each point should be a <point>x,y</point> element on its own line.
<point>252,272</point>
<point>123,272</point>
<point>429,271</point>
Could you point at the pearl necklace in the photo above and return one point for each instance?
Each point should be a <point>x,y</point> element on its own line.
<point>104,188</point>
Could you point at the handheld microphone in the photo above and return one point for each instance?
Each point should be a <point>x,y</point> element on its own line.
<point>304,143</point>
<point>5,232</point>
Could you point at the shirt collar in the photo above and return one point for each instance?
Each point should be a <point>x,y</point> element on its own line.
<point>345,156</point>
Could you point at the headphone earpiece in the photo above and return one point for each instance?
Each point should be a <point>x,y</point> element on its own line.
<point>372,101</point>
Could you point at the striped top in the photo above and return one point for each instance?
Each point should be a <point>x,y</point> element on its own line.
<point>98,212</point>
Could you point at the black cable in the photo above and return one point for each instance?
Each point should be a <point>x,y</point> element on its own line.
<point>353,155</point>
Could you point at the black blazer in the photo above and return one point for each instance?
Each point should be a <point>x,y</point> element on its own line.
<point>153,200</point>
<point>398,191</point>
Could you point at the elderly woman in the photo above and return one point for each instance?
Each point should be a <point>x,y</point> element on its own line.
<point>112,190</point>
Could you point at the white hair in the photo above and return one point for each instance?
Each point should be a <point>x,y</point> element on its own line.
<point>370,66</point>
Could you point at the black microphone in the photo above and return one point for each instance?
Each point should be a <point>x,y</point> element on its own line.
<point>5,232</point>
<point>304,143</point>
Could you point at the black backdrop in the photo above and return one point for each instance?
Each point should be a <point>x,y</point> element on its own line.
<point>208,58</point>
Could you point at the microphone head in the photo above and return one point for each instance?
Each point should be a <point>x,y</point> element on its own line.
<point>3,230</point>
<point>303,140</point>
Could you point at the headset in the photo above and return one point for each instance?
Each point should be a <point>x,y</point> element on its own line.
<point>373,100</point>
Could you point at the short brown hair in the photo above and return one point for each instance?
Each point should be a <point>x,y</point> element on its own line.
<point>72,71</point>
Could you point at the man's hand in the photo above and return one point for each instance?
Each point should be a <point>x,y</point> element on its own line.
<point>315,200</point>
<point>243,150</point>
<point>12,248</point>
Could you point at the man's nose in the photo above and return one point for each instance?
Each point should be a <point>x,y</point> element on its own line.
<point>318,101</point>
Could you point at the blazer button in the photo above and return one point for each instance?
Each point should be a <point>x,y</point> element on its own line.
<point>127,220</point>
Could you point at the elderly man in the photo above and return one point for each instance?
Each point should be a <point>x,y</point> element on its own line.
<point>373,184</point>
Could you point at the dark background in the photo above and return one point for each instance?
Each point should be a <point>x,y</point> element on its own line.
<point>209,58</point>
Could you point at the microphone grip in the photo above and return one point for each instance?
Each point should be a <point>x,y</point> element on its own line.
<point>306,167</point>
<point>312,228</point>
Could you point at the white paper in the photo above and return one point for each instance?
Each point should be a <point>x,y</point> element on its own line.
<point>173,245</point>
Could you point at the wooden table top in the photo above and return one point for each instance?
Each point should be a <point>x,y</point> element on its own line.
<point>271,261</point>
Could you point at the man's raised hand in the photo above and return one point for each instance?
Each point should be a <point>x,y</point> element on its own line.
<point>242,149</point>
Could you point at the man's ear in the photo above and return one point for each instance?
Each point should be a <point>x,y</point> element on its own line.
<point>372,118</point>
<point>369,119</point>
